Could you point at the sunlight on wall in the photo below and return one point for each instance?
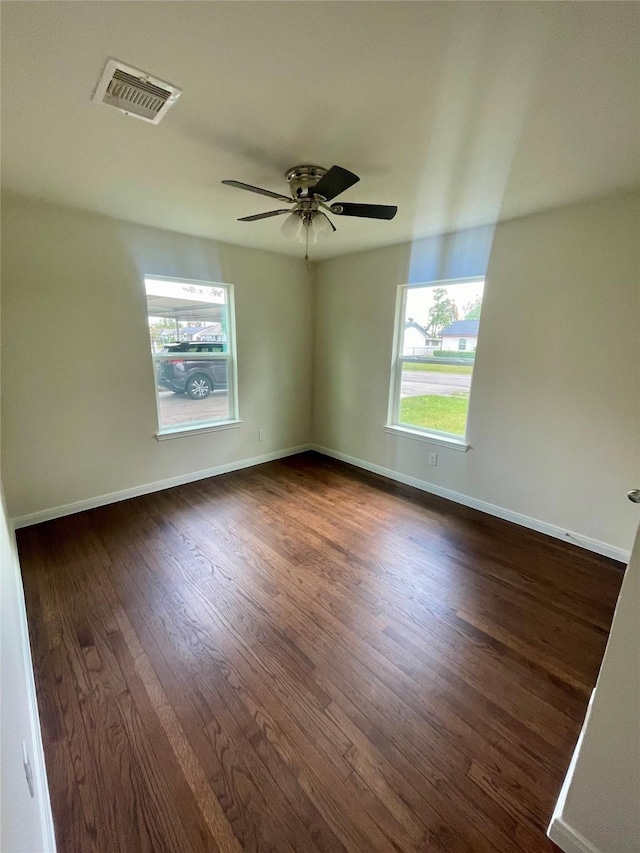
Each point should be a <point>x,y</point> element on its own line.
<point>155,256</point>
<point>461,255</point>
<point>490,69</point>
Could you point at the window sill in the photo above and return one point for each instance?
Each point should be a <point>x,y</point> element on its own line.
<point>430,437</point>
<point>181,432</point>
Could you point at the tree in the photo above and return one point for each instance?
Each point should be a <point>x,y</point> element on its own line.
<point>442,312</point>
<point>162,323</point>
<point>472,309</point>
<point>162,330</point>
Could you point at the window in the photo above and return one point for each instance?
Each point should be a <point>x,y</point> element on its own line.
<point>192,330</point>
<point>430,386</point>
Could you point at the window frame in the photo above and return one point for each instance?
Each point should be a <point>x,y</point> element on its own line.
<point>230,357</point>
<point>393,424</point>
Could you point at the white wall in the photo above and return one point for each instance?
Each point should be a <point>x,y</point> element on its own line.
<point>553,421</point>
<point>79,408</point>
<point>600,801</point>
<point>25,823</point>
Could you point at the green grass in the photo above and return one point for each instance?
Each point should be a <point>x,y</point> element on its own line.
<point>445,414</point>
<point>438,368</point>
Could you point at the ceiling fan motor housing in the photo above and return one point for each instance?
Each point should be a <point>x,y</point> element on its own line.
<point>301,178</point>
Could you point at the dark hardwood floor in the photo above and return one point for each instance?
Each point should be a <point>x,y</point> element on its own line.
<point>301,656</point>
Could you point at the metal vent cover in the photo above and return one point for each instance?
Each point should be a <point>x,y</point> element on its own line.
<point>135,92</point>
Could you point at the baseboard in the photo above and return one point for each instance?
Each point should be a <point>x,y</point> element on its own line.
<point>491,509</point>
<point>568,839</point>
<point>148,488</point>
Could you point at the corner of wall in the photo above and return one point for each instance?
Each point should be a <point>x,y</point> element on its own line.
<point>314,273</point>
<point>20,705</point>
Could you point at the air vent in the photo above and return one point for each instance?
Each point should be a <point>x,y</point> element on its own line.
<point>134,92</point>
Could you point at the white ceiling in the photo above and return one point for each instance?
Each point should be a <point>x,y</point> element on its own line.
<point>460,113</point>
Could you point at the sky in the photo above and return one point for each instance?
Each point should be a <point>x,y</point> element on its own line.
<point>419,300</point>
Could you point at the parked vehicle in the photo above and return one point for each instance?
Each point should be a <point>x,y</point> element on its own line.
<point>196,377</point>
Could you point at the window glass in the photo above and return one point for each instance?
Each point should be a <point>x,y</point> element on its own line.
<point>436,341</point>
<point>191,330</point>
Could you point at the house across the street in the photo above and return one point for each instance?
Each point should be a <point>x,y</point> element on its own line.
<point>461,335</point>
<point>417,340</point>
<point>213,332</point>
<point>415,335</point>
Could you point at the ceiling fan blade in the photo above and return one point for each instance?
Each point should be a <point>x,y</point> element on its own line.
<point>263,215</point>
<point>336,181</point>
<point>253,189</point>
<point>370,211</point>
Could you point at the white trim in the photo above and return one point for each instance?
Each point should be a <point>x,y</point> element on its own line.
<point>38,762</point>
<point>562,796</point>
<point>560,832</point>
<point>398,359</point>
<point>148,488</point>
<point>433,438</point>
<point>445,282</point>
<point>191,356</point>
<point>179,432</point>
<point>395,379</point>
<point>231,356</point>
<point>568,839</point>
<point>491,509</point>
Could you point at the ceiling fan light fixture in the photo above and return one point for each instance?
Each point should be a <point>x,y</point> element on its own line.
<point>309,229</point>
<point>321,225</point>
<point>293,227</point>
<point>306,227</point>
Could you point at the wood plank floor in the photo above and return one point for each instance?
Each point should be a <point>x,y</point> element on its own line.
<point>302,656</point>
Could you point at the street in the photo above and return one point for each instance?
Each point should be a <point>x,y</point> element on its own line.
<point>418,382</point>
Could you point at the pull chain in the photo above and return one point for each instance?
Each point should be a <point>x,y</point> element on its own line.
<point>306,248</point>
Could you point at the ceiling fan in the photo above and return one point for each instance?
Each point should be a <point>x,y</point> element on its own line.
<point>312,189</point>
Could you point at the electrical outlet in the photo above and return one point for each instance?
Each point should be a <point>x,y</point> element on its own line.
<point>433,459</point>
<point>28,772</point>
<point>260,435</point>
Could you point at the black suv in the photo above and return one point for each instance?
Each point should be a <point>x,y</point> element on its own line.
<point>197,377</point>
